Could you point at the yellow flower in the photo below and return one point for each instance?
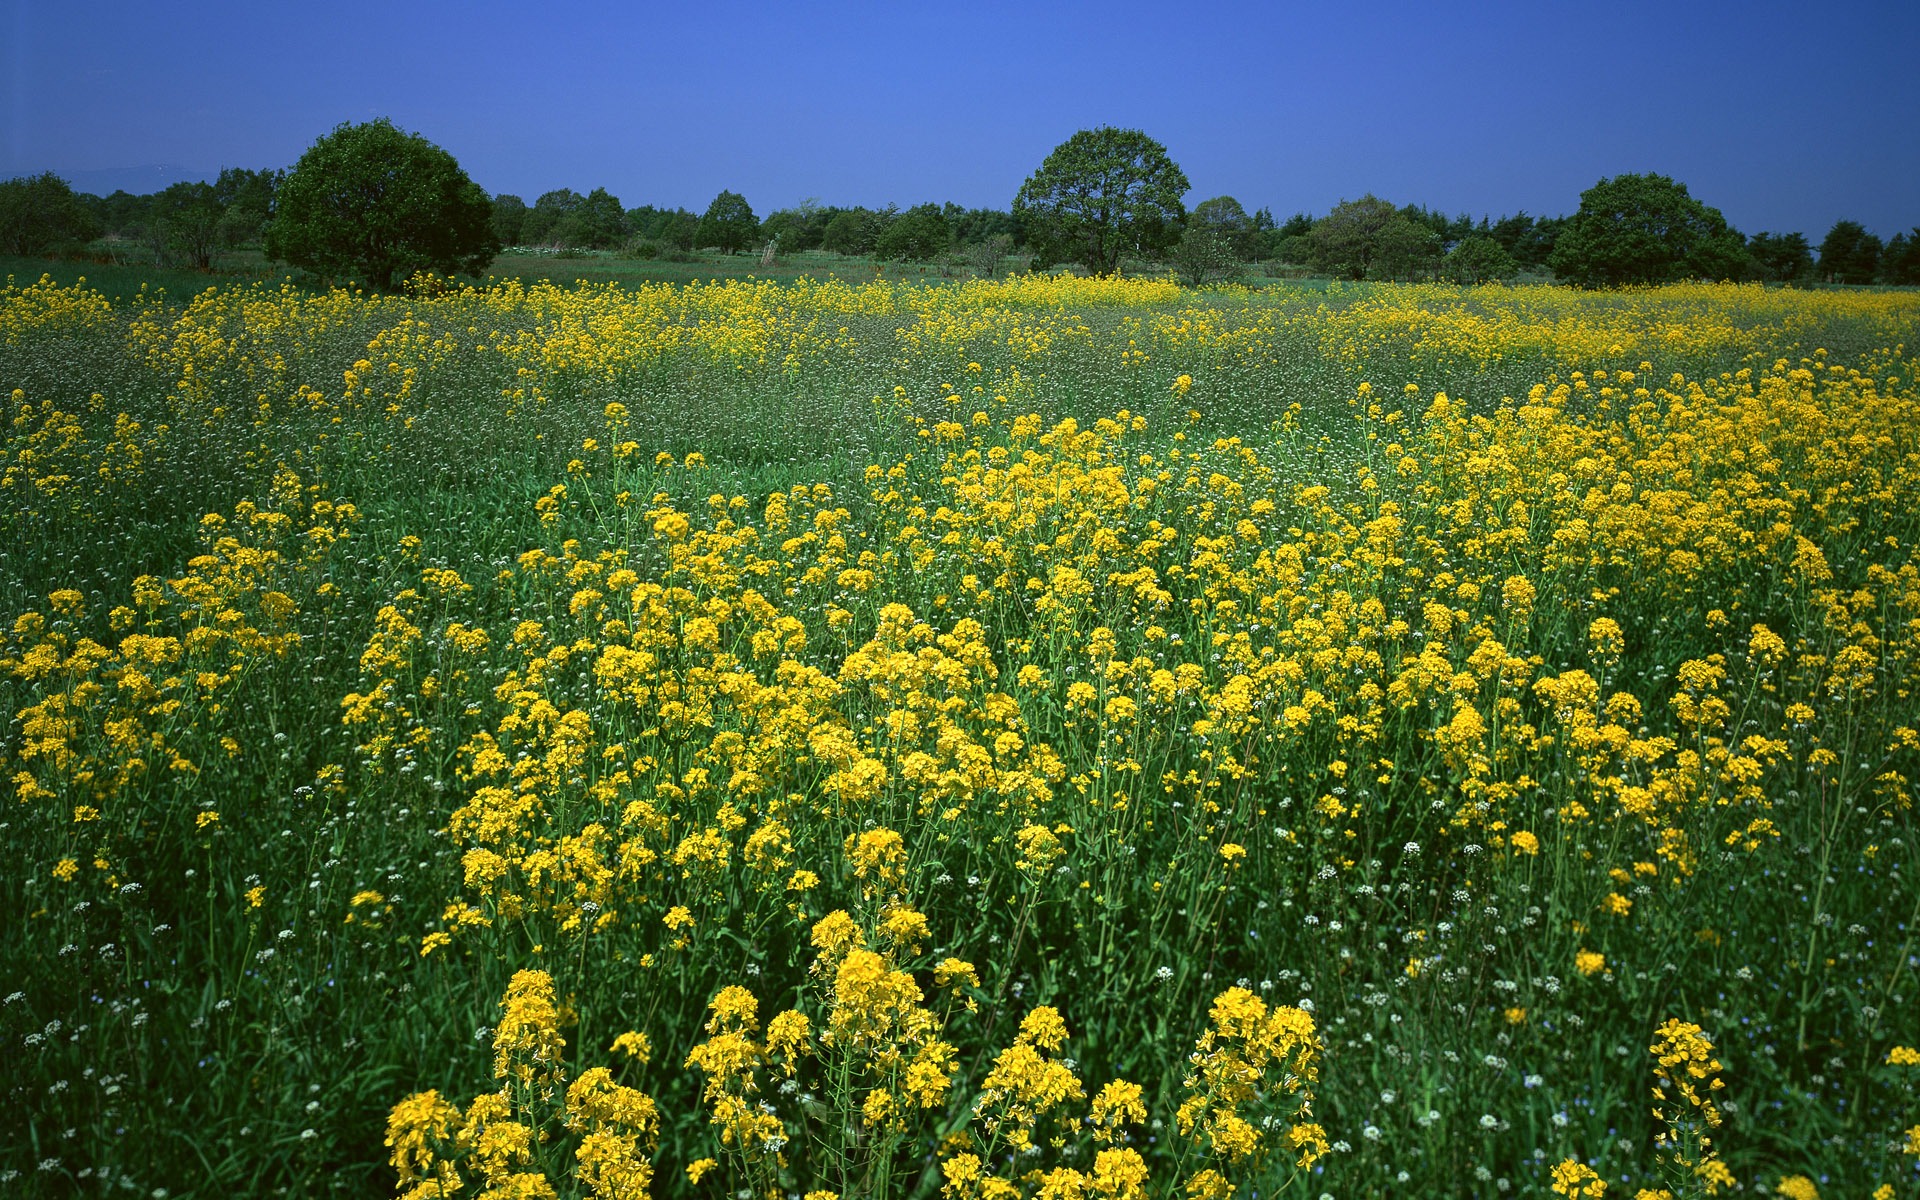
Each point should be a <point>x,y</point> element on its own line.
<point>1797,1187</point>
<point>1117,1104</point>
<point>699,1168</point>
<point>834,934</point>
<point>633,1045</point>
<point>1574,1178</point>
<point>1589,962</point>
<point>205,818</point>
<point>955,973</point>
<point>1208,1184</point>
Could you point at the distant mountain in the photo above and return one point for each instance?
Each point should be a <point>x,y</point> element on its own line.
<point>138,180</point>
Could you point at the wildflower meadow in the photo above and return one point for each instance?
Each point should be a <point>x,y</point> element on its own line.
<point>1045,738</point>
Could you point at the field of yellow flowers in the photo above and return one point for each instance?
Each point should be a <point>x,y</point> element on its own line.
<point>1053,738</point>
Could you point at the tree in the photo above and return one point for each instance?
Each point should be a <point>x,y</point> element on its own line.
<point>1477,259</point>
<point>379,203</point>
<point>1346,240</point>
<point>728,223</point>
<point>188,217</point>
<point>1645,229</point>
<point>1405,248</point>
<point>1781,257</point>
<point>799,227</point>
<point>672,228</point>
<point>985,255</point>
<point>975,226</point>
<point>1103,193</point>
<point>1900,262</point>
<point>1203,255</point>
<point>855,230</point>
<point>1849,254</point>
<point>246,200</point>
<point>41,213</point>
<point>1228,221</point>
<point>597,221</point>
<point>916,235</point>
<point>508,219</point>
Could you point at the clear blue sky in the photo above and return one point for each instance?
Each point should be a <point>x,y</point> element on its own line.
<point>1785,116</point>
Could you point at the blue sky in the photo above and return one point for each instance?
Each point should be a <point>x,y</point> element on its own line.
<point>1785,116</point>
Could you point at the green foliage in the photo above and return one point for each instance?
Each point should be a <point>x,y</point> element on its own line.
<point>1849,254</point>
<point>596,222</point>
<point>189,222</point>
<point>1479,259</point>
<point>246,199</point>
<point>728,224</point>
<point>1781,257</point>
<point>1204,255</point>
<point>243,1051</point>
<point>41,213</point>
<point>1900,263</point>
<point>1405,249</point>
<point>1347,241</point>
<point>508,219</point>
<point>986,255</point>
<point>919,234</point>
<point>1645,229</point>
<point>1101,194</point>
<point>670,228</point>
<point>375,202</point>
<point>1227,220</point>
<point>855,230</point>
<point>798,228</point>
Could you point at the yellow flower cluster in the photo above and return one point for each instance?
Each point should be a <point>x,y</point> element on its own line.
<point>1686,1075</point>
<point>503,1142</point>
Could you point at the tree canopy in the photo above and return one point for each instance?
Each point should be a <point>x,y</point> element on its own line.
<point>1101,194</point>
<point>1849,254</point>
<point>1645,229</point>
<point>916,235</point>
<point>376,202</point>
<point>40,212</point>
<point>1781,257</point>
<point>1347,240</point>
<point>728,224</point>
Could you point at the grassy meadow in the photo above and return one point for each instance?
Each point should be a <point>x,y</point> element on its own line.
<point>1048,737</point>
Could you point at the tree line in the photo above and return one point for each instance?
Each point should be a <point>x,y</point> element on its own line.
<point>374,202</point>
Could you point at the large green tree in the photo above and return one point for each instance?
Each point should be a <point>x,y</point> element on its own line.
<point>1347,240</point>
<point>1780,257</point>
<point>597,221</point>
<point>1645,229</point>
<point>728,224</point>
<point>1900,261</point>
<point>41,212</point>
<point>188,220</point>
<point>1849,254</point>
<point>376,202</point>
<point>1101,194</point>
<point>916,235</point>
<point>1477,259</point>
<point>1227,219</point>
